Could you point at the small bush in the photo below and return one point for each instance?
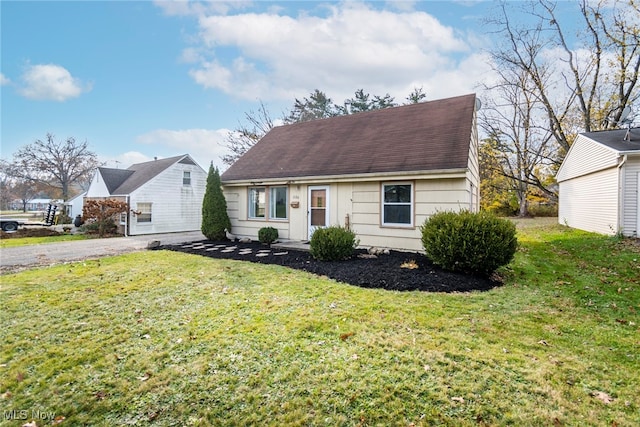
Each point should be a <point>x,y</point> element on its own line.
<point>469,242</point>
<point>543,210</point>
<point>267,235</point>
<point>333,243</point>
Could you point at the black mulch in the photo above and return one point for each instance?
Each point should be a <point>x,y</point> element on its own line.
<point>385,271</point>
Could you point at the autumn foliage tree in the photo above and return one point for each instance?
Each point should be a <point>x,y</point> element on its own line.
<point>102,214</point>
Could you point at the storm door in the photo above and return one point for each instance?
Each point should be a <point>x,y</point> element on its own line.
<point>318,208</point>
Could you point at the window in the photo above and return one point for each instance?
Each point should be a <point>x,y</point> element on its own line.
<point>144,212</point>
<point>277,206</point>
<point>278,203</point>
<point>186,178</point>
<point>397,206</point>
<point>257,202</point>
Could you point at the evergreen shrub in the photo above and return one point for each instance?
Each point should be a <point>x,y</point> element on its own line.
<point>469,242</point>
<point>215,220</point>
<point>267,235</point>
<point>333,243</point>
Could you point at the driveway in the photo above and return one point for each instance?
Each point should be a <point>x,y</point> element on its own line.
<point>22,257</point>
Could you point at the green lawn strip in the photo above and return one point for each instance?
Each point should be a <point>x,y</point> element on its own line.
<point>181,340</point>
<point>24,241</point>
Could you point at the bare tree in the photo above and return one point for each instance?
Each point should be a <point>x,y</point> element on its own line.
<point>524,149</point>
<point>239,141</point>
<point>57,164</point>
<point>578,87</point>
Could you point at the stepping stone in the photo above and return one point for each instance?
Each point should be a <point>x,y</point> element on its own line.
<point>221,246</point>
<point>226,251</point>
<point>212,249</point>
<point>245,252</point>
<point>264,251</point>
<point>261,254</point>
<point>280,253</point>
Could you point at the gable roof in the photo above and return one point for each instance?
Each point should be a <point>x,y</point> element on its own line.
<point>615,139</point>
<point>125,181</point>
<point>428,136</point>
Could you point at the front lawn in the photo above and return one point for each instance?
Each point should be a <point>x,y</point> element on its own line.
<point>165,338</point>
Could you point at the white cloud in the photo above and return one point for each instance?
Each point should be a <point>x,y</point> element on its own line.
<point>124,160</point>
<point>51,82</point>
<point>203,145</point>
<point>351,46</point>
<point>4,80</point>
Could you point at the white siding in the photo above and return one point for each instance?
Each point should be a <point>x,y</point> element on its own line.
<point>630,189</point>
<point>584,157</point>
<point>175,207</point>
<point>97,188</point>
<point>590,202</point>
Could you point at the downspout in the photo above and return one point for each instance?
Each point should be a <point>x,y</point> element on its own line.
<point>620,195</point>
<point>126,217</point>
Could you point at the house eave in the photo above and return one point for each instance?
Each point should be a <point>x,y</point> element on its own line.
<point>377,176</point>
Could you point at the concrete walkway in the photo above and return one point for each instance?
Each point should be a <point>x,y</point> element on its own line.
<point>22,257</point>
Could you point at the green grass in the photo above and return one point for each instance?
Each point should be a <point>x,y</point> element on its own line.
<point>23,241</point>
<point>174,339</point>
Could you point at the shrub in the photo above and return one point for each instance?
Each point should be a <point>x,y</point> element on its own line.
<point>267,235</point>
<point>469,242</point>
<point>215,220</point>
<point>333,243</point>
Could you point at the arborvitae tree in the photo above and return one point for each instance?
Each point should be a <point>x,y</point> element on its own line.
<point>215,219</point>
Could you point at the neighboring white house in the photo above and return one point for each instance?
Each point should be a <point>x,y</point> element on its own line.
<point>164,195</point>
<point>74,205</point>
<point>599,181</point>
<point>381,173</point>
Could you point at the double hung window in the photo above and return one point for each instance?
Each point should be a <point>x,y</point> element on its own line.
<point>397,204</point>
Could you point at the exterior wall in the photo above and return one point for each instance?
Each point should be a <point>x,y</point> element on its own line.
<point>586,156</point>
<point>473,174</point>
<point>175,207</point>
<point>590,202</point>
<point>360,204</point>
<point>630,197</point>
<point>97,188</point>
<point>75,205</point>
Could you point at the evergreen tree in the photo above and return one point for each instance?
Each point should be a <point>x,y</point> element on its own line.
<point>215,219</point>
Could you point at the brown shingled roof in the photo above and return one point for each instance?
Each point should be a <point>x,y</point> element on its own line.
<point>431,135</point>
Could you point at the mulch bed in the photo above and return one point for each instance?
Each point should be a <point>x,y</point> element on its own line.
<point>383,271</point>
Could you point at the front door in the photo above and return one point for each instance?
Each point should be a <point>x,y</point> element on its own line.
<point>318,208</point>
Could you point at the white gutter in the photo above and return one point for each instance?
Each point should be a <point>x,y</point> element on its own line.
<point>376,176</point>
<point>621,193</point>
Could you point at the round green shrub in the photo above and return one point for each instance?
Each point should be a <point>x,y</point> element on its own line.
<point>267,235</point>
<point>333,243</point>
<point>469,242</point>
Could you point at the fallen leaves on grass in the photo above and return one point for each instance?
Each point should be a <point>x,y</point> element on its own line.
<point>344,337</point>
<point>603,397</point>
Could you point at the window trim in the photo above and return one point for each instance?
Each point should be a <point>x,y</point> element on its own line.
<point>286,203</point>
<point>141,213</point>
<point>186,176</point>
<point>411,205</point>
<point>251,212</point>
<point>267,205</point>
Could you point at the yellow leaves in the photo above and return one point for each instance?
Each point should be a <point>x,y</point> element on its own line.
<point>409,264</point>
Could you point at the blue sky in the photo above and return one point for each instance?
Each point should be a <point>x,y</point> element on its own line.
<point>138,79</point>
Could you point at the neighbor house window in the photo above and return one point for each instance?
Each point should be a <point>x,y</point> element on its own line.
<point>397,204</point>
<point>143,212</point>
<point>278,203</point>
<point>186,178</point>
<point>257,202</point>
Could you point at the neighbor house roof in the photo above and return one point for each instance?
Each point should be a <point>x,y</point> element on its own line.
<point>428,136</point>
<point>125,181</point>
<point>615,139</point>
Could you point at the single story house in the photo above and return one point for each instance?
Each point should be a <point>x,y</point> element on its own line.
<point>599,181</point>
<point>381,173</point>
<point>163,195</point>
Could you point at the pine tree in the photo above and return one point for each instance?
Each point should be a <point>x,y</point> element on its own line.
<point>215,219</point>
